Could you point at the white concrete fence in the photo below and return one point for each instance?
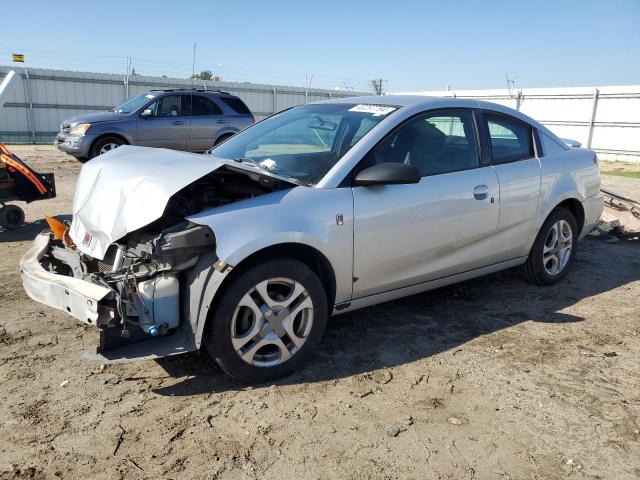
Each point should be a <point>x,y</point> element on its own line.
<point>606,119</point>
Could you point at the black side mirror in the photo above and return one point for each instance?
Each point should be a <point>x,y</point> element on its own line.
<point>388,174</point>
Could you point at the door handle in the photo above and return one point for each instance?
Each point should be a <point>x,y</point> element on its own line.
<point>178,122</point>
<point>481,192</point>
<point>221,121</point>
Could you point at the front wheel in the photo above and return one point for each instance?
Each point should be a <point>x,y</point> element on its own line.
<point>268,321</point>
<point>553,250</point>
<point>104,145</point>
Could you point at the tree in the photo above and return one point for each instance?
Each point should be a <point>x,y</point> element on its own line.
<point>377,86</point>
<point>203,75</point>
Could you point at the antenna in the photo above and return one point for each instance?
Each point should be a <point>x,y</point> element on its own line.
<point>193,65</point>
<point>193,74</point>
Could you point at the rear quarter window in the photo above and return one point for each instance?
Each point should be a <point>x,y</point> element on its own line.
<point>237,105</point>
<point>549,145</point>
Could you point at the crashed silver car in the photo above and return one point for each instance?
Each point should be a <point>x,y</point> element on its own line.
<point>320,209</point>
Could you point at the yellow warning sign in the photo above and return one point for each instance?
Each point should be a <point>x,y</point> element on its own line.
<point>18,57</point>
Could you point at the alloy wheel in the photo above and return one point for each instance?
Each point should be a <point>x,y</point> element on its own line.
<point>108,147</point>
<point>557,247</point>
<point>271,322</point>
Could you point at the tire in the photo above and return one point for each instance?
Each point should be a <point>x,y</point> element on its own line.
<point>11,217</point>
<point>552,253</point>
<point>104,144</point>
<point>239,325</point>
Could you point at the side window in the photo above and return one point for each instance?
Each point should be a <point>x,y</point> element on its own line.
<point>237,105</point>
<point>510,138</point>
<point>549,145</point>
<point>436,143</point>
<point>202,106</point>
<point>168,106</point>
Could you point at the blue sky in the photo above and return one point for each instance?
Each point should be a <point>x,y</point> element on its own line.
<point>418,45</point>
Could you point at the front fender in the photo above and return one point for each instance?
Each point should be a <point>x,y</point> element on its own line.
<point>122,129</point>
<point>302,215</point>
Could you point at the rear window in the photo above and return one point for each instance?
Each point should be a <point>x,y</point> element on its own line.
<point>237,104</point>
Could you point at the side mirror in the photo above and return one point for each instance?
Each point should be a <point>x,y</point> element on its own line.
<point>388,174</point>
<point>147,112</point>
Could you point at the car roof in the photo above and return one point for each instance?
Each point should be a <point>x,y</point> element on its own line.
<point>423,102</point>
<point>392,100</point>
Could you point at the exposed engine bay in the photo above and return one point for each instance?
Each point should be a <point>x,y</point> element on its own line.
<point>143,269</point>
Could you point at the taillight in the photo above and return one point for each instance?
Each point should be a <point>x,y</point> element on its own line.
<point>253,120</point>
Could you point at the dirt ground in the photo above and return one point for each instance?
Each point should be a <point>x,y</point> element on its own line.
<point>492,378</point>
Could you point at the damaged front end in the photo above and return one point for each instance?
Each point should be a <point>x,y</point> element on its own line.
<point>131,263</point>
<point>132,295</point>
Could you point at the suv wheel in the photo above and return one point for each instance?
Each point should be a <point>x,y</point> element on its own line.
<point>552,253</point>
<point>223,138</point>
<point>268,321</point>
<point>104,145</point>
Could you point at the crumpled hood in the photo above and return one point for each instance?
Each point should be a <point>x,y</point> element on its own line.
<point>128,188</point>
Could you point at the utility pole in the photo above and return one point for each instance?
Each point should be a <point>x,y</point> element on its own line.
<point>126,79</point>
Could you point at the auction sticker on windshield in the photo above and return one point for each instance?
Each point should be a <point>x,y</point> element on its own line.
<point>375,110</point>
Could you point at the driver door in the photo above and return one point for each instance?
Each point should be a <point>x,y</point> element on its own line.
<point>445,224</point>
<point>167,124</point>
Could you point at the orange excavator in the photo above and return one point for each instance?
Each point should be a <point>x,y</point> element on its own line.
<point>19,182</point>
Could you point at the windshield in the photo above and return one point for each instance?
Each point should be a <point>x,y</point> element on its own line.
<point>304,142</point>
<point>134,104</point>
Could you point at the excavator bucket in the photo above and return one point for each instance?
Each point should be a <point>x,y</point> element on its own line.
<point>18,181</point>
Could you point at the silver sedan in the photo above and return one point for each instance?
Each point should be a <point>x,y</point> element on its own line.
<point>318,210</point>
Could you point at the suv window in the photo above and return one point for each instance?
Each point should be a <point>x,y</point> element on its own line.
<point>436,143</point>
<point>202,106</point>
<point>236,104</point>
<point>168,106</point>
<point>510,138</point>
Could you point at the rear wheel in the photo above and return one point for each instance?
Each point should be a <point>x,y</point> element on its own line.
<point>11,217</point>
<point>268,322</point>
<point>223,138</point>
<point>104,145</point>
<point>553,250</point>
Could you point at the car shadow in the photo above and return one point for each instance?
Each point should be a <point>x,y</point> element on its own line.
<point>28,231</point>
<point>417,327</point>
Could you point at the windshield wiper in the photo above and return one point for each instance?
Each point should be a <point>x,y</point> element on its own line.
<point>248,161</point>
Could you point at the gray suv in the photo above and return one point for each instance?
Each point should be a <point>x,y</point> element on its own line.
<point>191,120</point>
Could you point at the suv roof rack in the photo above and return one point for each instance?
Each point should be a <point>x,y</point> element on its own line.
<point>189,90</point>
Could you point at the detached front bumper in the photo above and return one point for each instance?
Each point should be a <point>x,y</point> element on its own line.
<point>79,298</point>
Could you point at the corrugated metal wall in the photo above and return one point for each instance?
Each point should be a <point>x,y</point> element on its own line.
<point>606,119</point>
<point>42,98</point>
